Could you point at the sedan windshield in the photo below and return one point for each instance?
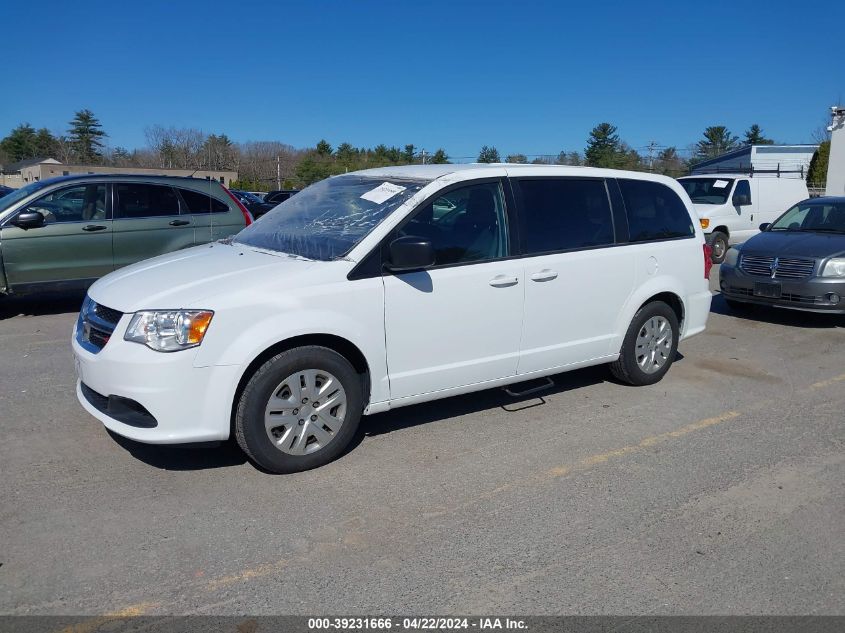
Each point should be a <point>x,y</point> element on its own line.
<point>707,190</point>
<point>812,216</point>
<point>326,220</point>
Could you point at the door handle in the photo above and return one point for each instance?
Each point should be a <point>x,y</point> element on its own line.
<point>503,281</point>
<point>179,223</point>
<point>94,227</point>
<point>544,275</point>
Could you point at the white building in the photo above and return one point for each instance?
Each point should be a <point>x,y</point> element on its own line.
<point>770,159</point>
<point>836,162</point>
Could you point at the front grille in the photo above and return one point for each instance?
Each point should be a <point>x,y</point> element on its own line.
<point>107,314</point>
<point>96,325</point>
<point>777,267</point>
<point>786,296</point>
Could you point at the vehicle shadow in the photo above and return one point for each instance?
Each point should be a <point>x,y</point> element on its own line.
<point>41,304</point>
<point>777,316</point>
<point>456,406</point>
<point>181,457</point>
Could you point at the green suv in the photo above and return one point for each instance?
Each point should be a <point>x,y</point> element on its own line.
<point>67,232</point>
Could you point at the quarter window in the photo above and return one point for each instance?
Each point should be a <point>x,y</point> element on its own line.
<point>201,203</point>
<point>464,225</point>
<point>82,203</point>
<point>564,213</point>
<point>655,212</point>
<point>139,200</point>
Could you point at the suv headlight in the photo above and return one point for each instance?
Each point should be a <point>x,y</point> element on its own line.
<point>834,267</point>
<point>168,330</point>
<point>731,256</point>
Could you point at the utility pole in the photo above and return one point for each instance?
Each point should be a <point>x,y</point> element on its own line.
<point>651,147</point>
<point>423,154</point>
<point>278,172</point>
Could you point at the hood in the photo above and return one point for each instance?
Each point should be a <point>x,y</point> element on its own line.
<point>706,210</point>
<point>797,244</point>
<point>181,279</point>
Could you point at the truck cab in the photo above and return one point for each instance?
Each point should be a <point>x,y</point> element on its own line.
<point>731,207</point>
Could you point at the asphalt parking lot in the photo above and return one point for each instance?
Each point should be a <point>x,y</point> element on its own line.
<point>716,491</point>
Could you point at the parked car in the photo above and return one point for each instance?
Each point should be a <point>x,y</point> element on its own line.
<point>361,299</point>
<point>66,232</point>
<point>730,207</point>
<point>277,197</point>
<point>259,194</point>
<point>4,190</point>
<point>796,262</point>
<point>256,206</point>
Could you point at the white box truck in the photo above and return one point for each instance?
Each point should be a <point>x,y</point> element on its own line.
<point>732,206</point>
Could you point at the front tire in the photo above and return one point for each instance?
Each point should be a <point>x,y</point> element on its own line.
<point>719,243</point>
<point>299,410</point>
<point>649,347</point>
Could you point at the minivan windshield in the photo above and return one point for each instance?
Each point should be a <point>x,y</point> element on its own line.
<point>326,220</point>
<point>19,194</point>
<point>707,190</point>
<point>816,217</point>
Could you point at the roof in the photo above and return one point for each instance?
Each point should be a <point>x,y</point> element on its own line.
<point>29,162</point>
<point>432,172</point>
<point>100,177</point>
<point>827,200</point>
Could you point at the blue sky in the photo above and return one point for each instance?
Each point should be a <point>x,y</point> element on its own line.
<point>530,77</point>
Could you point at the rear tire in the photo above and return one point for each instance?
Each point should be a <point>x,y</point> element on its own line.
<point>719,243</point>
<point>280,422</point>
<point>649,347</point>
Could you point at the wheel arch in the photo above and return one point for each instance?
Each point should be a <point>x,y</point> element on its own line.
<point>673,301</point>
<point>339,344</point>
<point>721,229</point>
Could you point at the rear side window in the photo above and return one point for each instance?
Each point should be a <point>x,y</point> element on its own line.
<point>201,203</point>
<point>139,200</point>
<point>564,213</point>
<point>655,212</point>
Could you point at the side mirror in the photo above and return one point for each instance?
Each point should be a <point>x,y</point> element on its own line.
<point>29,220</point>
<point>741,200</point>
<point>410,253</point>
<point>765,226</point>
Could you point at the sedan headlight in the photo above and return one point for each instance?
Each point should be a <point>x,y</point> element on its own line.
<point>731,256</point>
<point>168,330</point>
<point>834,267</point>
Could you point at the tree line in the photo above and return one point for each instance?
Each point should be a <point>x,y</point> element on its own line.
<point>263,165</point>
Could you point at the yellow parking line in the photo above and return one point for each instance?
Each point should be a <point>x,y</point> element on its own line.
<point>827,383</point>
<point>601,458</point>
<point>88,626</point>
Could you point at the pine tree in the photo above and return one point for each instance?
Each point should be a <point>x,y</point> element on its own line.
<point>717,140</point>
<point>603,147</point>
<point>86,134</point>
<point>440,157</point>
<point>489,155</point>
<point>516,158</point>
<point>754,136</point>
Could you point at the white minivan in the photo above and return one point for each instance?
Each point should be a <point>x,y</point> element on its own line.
<point>731,207</point>
<point>388,287</point>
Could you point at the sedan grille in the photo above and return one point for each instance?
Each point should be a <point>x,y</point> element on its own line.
<point>777,267</point>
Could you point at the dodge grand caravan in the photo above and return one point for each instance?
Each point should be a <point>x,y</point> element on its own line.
<point>388,287</point>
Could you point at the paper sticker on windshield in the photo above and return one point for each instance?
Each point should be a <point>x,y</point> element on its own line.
<point>385,191</point>
<point>720,184</point>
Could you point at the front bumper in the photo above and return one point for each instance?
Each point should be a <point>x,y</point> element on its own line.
<point>811,295</point>
<point>177,402</point>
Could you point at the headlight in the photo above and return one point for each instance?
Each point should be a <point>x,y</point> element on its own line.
<point>834,267</point>
<point>168,330</point>
<point>731,256</point>
<point>705,222</point>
